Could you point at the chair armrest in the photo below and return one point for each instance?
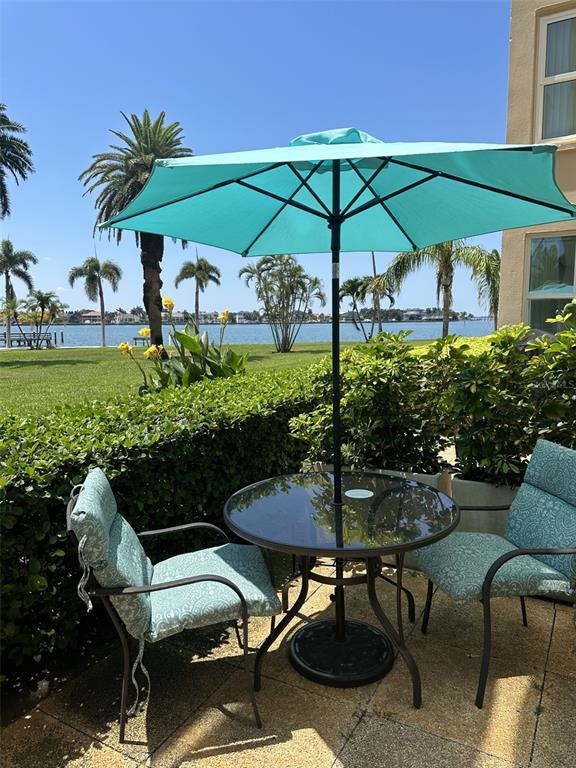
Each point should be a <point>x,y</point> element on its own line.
<point>180,529</point>
<point>120,591</point>
<point>503,559</point>
<point>484,508</point>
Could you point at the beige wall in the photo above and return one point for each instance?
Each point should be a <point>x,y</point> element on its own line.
<point>522,130</point>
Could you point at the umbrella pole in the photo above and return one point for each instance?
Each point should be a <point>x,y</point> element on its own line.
<point>335,224</point>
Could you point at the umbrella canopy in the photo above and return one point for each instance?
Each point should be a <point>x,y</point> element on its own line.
<point>393,197</point>
<point>343,190</point>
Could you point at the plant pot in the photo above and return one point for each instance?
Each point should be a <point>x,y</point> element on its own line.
<point>472,493</point>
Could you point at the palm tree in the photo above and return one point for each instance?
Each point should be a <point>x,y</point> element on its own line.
<point>43,307</point>
<point>444,257</point>
<point>94,272</point>
<point>203,273</point>
<point>14,264</point>
<point>119,175</point>
<point>15,157</point>
<point>355,288</point>
<point>486,275</point>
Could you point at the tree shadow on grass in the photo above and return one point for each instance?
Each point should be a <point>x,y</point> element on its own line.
<point>44,363</point>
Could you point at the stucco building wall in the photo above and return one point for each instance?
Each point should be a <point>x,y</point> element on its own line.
<point>522,128</point>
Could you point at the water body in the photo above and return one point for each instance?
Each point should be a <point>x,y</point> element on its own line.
<point>89,335</point>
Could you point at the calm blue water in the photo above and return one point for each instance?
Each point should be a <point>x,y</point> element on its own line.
<point>89,335</point>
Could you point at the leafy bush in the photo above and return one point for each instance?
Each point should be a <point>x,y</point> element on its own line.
<point>390,412</point>
<point>171,457</point>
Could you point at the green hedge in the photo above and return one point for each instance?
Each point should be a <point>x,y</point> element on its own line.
<point>171,457</point>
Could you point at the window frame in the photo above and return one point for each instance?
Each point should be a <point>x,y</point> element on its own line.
<point>543,81</point>
<point>563,295</point>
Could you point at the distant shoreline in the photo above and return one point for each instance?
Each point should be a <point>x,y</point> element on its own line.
<point>305,322</point>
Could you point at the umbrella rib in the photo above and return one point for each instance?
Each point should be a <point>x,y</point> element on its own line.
<point>285,200</point>
<point>191,195</point>
<point>488,187</point>
<point>279,211</point>
<point>385,207</point>
<point>366,183</point>
<point>308,187</point>
<point>380,200</point>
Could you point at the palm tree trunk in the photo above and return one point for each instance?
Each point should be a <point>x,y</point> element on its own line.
<point>151,252</point>
<point>197,304</point>
<point>102,316</point>
<point>446,296</point>
<point>8,294</point>
<point>376,297</point>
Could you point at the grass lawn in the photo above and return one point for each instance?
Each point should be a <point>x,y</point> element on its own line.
<point>32,381</point>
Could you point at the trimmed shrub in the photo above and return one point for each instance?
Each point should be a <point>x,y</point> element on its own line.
<point>171,457</point>
<point>392,413</point>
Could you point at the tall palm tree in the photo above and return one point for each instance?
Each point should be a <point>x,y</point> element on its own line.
<point>93,271</point>
<point>15,157</point>
<point>119,175</point>
<point>14,264</point>
<point>203,273</point>
<point>444,257</point>
<point>355,288</point>
<point>486,275</point>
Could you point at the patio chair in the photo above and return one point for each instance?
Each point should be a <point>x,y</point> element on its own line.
<point>151,602</point>
<point>537,556</point>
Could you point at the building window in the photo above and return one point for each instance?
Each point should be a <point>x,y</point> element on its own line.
<point>556,100</point>
<point>552,277</point>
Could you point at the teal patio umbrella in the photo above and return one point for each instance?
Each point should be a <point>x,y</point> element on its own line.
<point>343,190</point>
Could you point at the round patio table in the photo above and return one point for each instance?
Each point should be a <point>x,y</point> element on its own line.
<point>381,516</point>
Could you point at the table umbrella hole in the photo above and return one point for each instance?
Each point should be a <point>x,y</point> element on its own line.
<point>359,493</point>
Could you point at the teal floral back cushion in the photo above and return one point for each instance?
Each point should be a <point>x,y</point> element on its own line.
<point>112,549</point>
<point>552,468</point>
<point>93,515</point>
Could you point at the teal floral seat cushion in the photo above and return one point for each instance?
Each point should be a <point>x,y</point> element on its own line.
<point>197,605</point>
<point>109,545</point>
<point>458,565</point>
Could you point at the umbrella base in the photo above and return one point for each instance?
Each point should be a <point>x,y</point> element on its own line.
<point>365,654</point>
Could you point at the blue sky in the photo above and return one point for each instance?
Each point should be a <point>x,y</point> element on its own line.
<point>236,75</point>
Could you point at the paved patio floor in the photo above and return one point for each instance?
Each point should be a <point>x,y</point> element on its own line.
<point>199,714</point>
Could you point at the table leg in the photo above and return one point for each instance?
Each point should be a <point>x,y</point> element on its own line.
<point>287,618</point>
<point>372,565</point>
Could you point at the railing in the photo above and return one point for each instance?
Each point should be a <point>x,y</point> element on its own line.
<point>27,339</point>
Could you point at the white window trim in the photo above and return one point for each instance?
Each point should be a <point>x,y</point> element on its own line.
<point>528,259</point>
<point>542,80</point>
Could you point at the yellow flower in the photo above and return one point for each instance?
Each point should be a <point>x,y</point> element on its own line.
<point>223,316</point>
<point>144,332</point>
<point>125,348</point>
<point>168,304</point>
<point>151,352</point>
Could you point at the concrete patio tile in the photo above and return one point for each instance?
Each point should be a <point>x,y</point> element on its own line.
<point>40,740</point>
<point>461,626</point>
<point>555,743</point>
<point>562,656</point>
<point>504,727</point>
<point>383,743</point>
<point>300,730</point>
<point>91,702</point>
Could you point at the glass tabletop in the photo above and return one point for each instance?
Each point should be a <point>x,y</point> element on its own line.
<point>380,513</point>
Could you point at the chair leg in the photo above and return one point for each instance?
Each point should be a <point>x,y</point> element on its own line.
<point>126,666</point>
<point>247,672</point>
<point>427,607</point>
<point>524,616</point>
<point>486,650</point>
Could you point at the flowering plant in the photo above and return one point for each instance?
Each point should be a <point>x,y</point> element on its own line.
<point>195,357</point>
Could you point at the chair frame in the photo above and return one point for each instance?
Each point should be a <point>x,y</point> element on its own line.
<point>104,594</point>
<point>485,600</point>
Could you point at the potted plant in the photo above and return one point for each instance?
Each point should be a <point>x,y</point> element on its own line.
<point>492,412</point>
